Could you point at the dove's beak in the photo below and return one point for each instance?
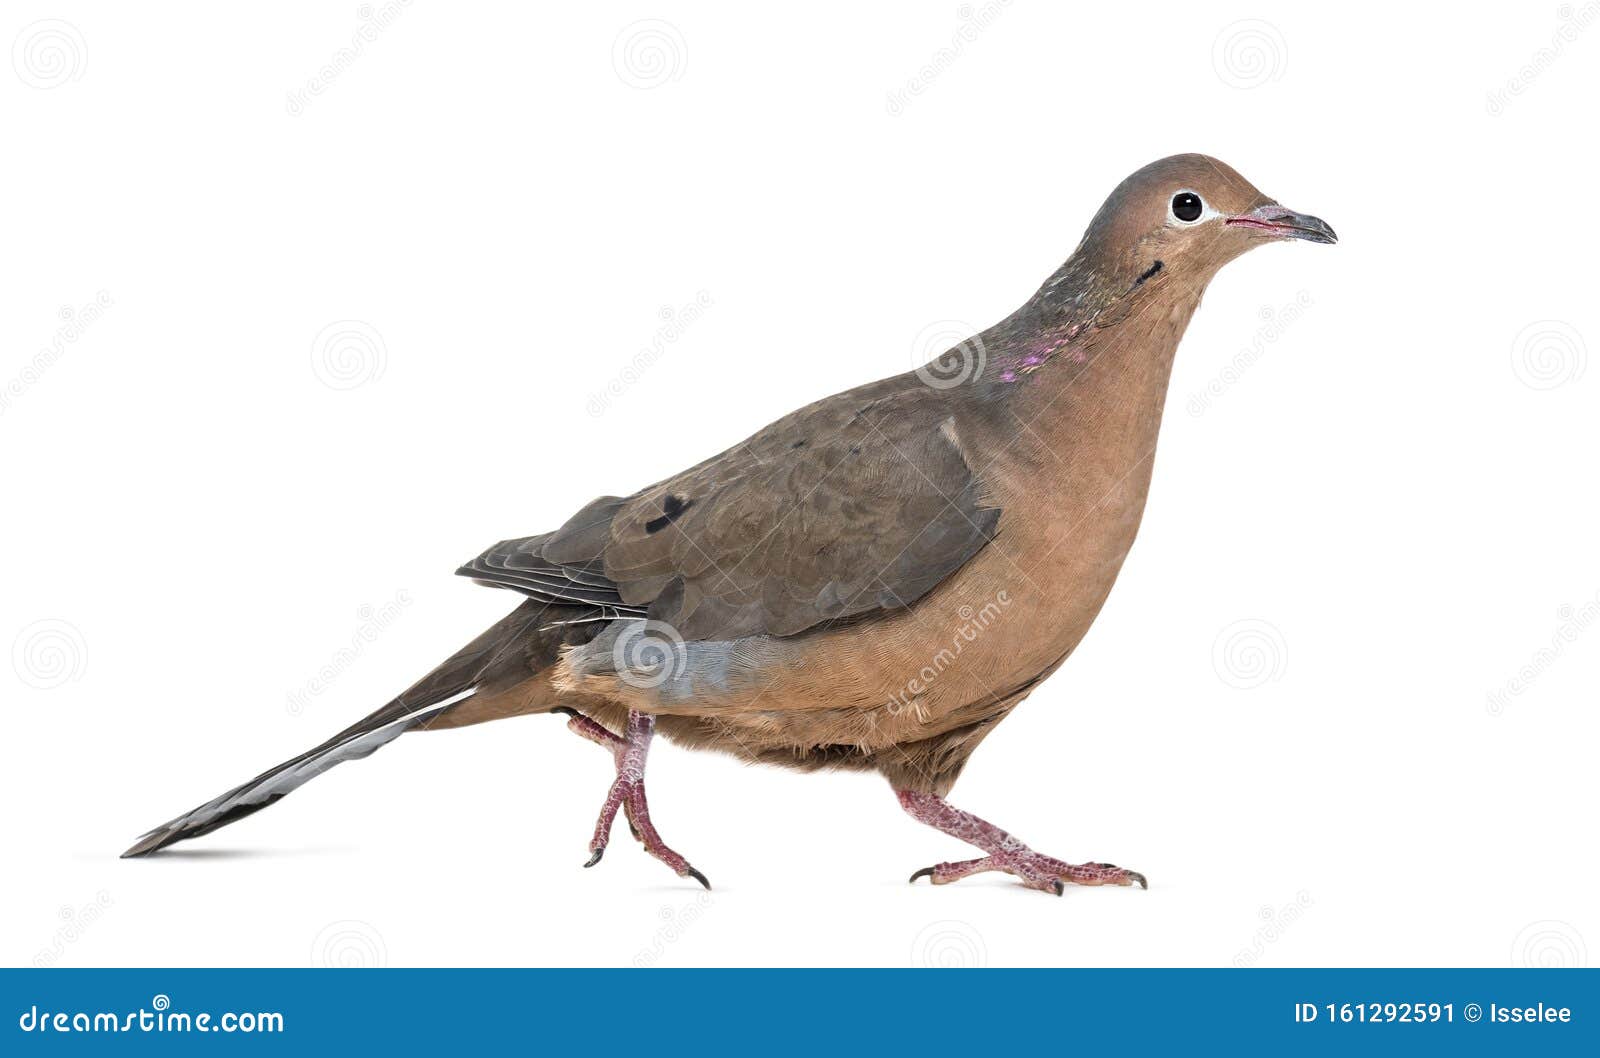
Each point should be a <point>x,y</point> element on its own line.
<point>1285,223</point>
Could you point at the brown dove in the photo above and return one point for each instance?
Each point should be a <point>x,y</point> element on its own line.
<point>874,581</point>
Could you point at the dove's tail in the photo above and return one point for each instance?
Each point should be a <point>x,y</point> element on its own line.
<point>498,672</point>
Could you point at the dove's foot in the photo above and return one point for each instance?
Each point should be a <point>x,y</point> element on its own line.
<point>1005,853</point>
<point>1036,870</point>
<point>627,790</point>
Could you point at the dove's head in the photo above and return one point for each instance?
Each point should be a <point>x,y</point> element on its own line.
<point>1191,215</point>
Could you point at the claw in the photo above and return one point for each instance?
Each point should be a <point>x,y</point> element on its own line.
<point>596,857</point>
<point>926,872</point>
<point>1136,876</point>
<point>1060,887</point>
<point>565,711</point>
<point>697,876</point>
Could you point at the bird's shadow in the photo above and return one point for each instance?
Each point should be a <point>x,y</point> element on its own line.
<point>225,855</point>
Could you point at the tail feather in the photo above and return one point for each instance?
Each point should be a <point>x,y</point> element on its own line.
<point>506,654</point>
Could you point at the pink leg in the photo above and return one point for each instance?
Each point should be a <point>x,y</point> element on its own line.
<point>627,790</point>
<point>1005,853</point>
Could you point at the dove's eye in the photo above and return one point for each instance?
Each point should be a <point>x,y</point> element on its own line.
<point>1187,207</point>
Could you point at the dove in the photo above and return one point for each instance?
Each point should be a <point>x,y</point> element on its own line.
<point>872,582</point>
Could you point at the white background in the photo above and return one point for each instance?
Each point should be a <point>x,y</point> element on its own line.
<point>1340,707</point>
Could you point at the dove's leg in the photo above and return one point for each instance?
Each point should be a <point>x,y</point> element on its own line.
<point>627,790</point>
<point>1005,853</point>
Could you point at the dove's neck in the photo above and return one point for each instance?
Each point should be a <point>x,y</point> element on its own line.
<point>1085,364</point>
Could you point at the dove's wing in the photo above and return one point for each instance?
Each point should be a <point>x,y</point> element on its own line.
<point>857,503</point>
